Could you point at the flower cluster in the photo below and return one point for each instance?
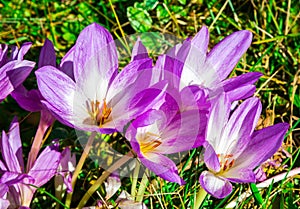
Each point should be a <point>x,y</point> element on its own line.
<point>181,102</point>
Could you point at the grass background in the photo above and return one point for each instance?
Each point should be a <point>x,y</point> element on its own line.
<point>275,52</point>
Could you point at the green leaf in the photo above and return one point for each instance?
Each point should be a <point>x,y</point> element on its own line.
<point>256,194</point>
<point>162,14</point>
<point>139,19</point>
<point>183,2</point>
<point>69,37</point>
<point>150,4</point>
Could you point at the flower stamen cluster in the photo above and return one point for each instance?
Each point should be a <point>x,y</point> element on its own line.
<point>226,162</point>
<point>98,115</point>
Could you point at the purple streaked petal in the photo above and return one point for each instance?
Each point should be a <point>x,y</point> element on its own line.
<point>201,40</point>
<point>240,126</point>
<point>139,51</point>
<point>240,93</point>
<point>28,100</point>
<point>182,134</point>
<point>241,80</point>
<point>243,175</point>
<point>162,166</point>
<point>19,72</point>
<point>3,190</point>
<point>95,44</point>
<point>12,75</point>
<point>59,90</point>
<point>262,145</point>
<point>214,185</point>
<point>11,178</point>
<point>47,55</point>
<point>217,120</point>
<point>66,64</point>
<point>226,54</point>
<point>241,87</point>
<point>137,72</point>
<point>211,159</point>
<point>23,50</point>
<point>15,141</point>
<point>167,68</point>
<point>8,155</point>
<point>42,172</point>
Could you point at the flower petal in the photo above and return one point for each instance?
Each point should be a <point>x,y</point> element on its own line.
<point>95,48</point>
<point>59,90</point>
<point>28,100</point>
<point>214,185</point>
<point>23,50</point>
<point>226,54</point>
<point>139,51</point>
<point>11,149</point>
<point>42,172</point>
<point>217,120</point>
<point>211,159</point>
<point>262,145</point>
<point>240,126</point>
<point>47,55</point>
<point>162,166</point>
<point>12,75</point>
<point>66,64</point>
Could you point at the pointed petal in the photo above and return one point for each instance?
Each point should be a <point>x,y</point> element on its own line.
<point>240,126</point>
<point>217,120</point>
<point>201,40</point>
<point>226,54</point>
<point>182,134</point>
<point>95,44</point>
<point>11,149</point>
<point>137,72</point>
<point>15,141</point>
<point>240,175</point>
<point>211,159</point>
<point>162,166</point>
<point>241,87</point>
<point>214,185</point>
<point>23,50</point>
<point>139,51</point>
<point>47,55</point>
<point>240,93</point>
<point>28,100</point>
<point>263,144</point>
<point>59,90</point>
<point>42,172</point>
<point>12,75</point>
<point>241,80</point>
<point>66,64</point>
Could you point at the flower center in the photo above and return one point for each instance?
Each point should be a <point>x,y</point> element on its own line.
<point>148,142</point>
<point>99,114</point>
<point>226,161</point>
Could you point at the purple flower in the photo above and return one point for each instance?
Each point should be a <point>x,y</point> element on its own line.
<point>14,176</point>
<point>190,64</point>
<point>233,148</point>
<point>168,130</point>
<point>13,69</point>
<point>97,98</point>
